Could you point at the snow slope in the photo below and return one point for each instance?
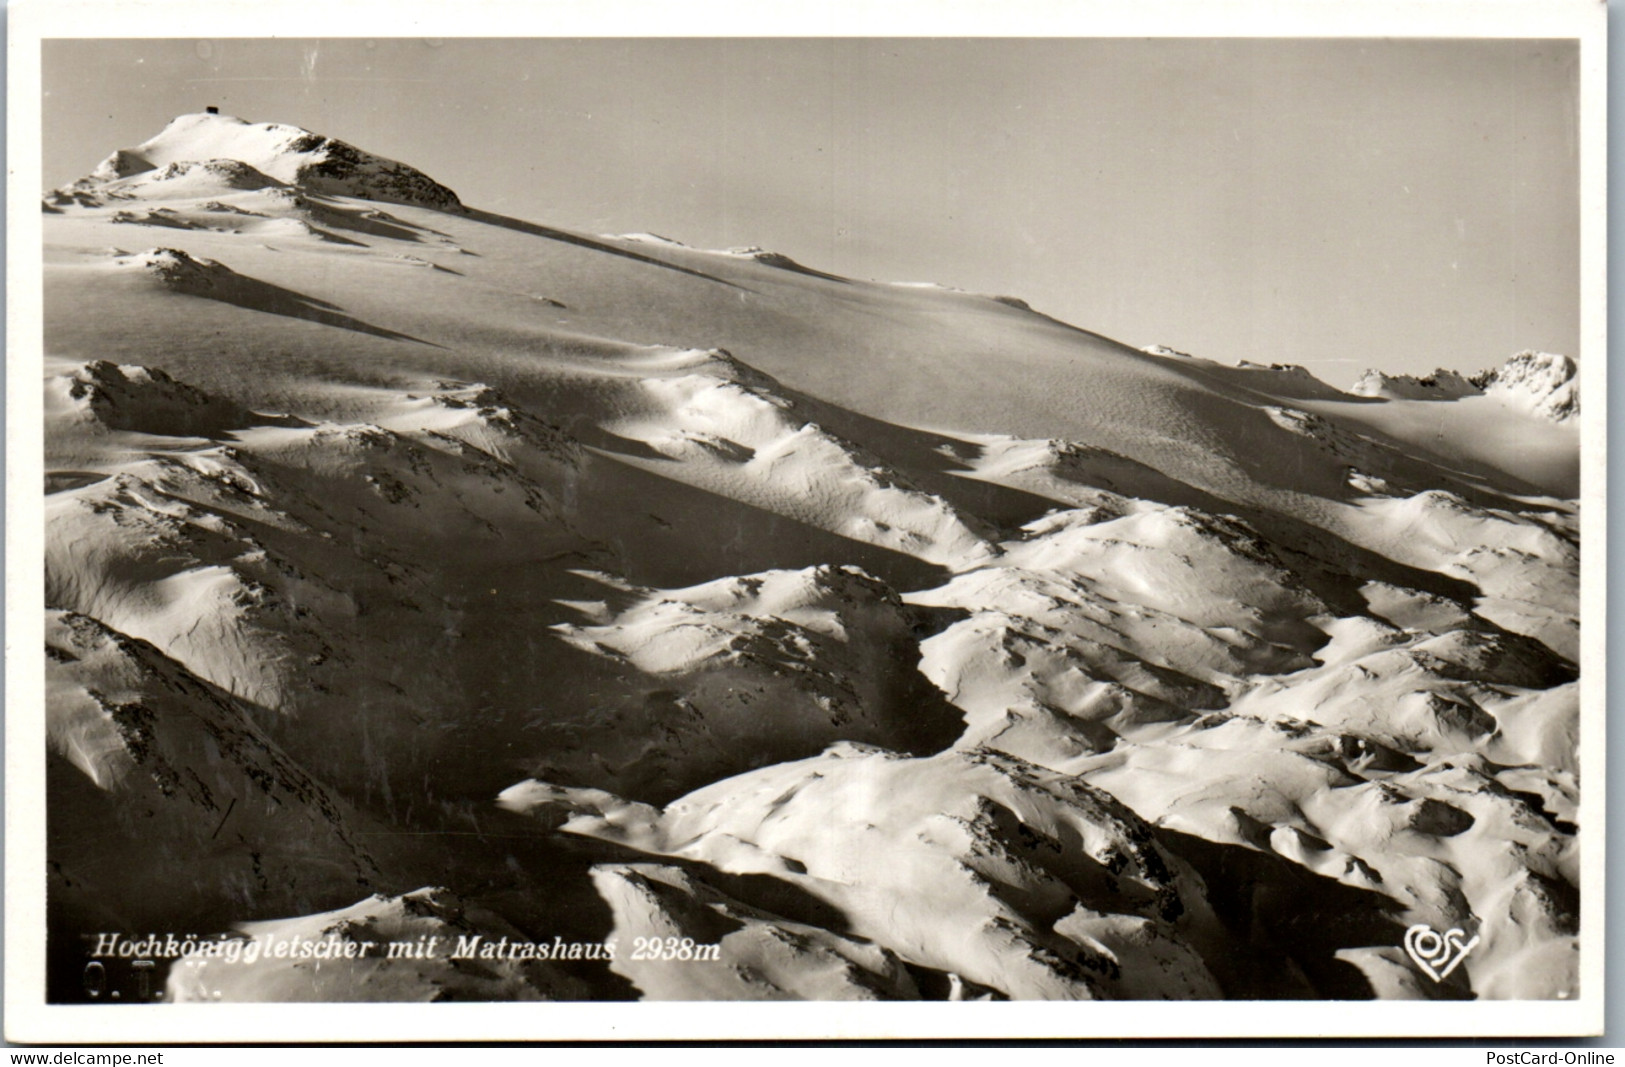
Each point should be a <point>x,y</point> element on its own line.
<point>900,642</point>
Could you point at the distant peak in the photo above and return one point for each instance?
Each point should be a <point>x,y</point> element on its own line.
<point>290,154</point>
<point>1442,384</point>
<point>1543,384</point>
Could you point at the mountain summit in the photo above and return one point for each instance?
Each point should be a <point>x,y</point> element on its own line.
<point>289,154</point>
<point>416,572</point>
<point>1542,384</point>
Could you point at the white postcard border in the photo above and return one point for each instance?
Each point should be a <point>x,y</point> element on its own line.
<point>29,1019</point>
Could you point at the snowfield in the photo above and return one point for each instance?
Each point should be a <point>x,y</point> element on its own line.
<point>416,572</point>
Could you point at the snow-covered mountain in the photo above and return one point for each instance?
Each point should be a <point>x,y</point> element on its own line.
<point>1442,384</point>
<point>221,151</point>
<point>416,572</point>
<point>1541,382</point>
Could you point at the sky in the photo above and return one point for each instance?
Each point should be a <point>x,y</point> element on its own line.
<point>1339,203</point>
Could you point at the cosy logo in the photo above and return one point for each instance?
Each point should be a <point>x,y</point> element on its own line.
<point>1437,954</point>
